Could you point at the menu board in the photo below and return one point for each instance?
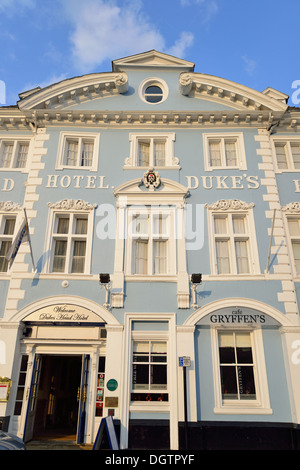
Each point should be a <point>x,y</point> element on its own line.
<point>100,387</point>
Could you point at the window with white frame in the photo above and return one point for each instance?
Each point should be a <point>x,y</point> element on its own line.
<point>234,247</point>
<point>294,232</point>
<point>240,378</point>
<point>224,151</point>
<point>149,371</point>
<point>70,242</point>
<point>78,151</point>
<point>153,91</point>
<point>7,228</point>
<point>287,154</point>
<point>151,244</point>
<point>14,153</point>
<point>236,366</point>
<point>152,151</point>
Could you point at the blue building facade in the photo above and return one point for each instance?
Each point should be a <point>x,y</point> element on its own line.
<point>160,281</point>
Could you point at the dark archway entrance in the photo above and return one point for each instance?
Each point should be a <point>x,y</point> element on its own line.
<point>57,404</point>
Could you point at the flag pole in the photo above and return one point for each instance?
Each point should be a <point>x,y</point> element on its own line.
<point>29,241</point>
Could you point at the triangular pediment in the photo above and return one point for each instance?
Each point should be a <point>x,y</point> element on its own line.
<point>137,191</point>
<point>152,59</point>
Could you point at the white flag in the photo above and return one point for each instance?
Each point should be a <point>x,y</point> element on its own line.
<point>22,236</point>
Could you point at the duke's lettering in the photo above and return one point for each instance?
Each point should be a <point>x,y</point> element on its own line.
<point>223,182</point>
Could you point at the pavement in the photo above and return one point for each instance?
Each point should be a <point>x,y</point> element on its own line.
<point>59,444</point>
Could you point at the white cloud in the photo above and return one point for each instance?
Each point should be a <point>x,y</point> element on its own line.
<point>250,65</point>
<point>107,29</point>
<point>208,8</point>
<point>185,40</point>
<point>10,7</point>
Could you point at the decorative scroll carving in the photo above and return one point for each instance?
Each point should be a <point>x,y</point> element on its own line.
<point>230,204</point>
<point>72,204</point>
<point>185,83</point>
<point>122,83</point>
<point>9,206</point>
<point>292,208</point>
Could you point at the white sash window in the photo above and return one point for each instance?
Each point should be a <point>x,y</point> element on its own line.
<point>239,371</point>
<point>151,243</point>
<point>14,154</point>
<point>287,154</point>
<point>78,151</point>
<point>225,151</point>
<point>294,231</point>
<point>69,242</point>
<point>152,151</point>
<point>233,246</point>
<point>7,228</point>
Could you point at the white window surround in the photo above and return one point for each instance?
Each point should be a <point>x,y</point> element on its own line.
<point>144,359</point>
<point>238,140</point>
<point>15,161</point>
<point>152,81</point>
<point>285,141</point>
<point>80,138</point>
<point>261,405</point>
<point>169,336</point>
<point>150,238</point>
<point>171,197</point>
<point>71,210</point>
<point>228,209</point>
<point>171,162</point>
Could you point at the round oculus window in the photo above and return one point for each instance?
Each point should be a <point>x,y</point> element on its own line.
<point>153,94</point>
<point>153,91</point>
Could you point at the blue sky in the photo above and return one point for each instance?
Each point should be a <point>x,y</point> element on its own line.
<point>255,43</point>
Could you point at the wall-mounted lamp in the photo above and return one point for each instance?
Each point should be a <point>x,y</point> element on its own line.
<point>104,280</point>
<point>195,280</point>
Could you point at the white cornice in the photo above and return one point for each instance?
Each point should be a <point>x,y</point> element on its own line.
<point>14,119</point>
<point>239,96</point>
<point>75,89</point>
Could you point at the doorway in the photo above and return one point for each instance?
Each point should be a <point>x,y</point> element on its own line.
<point>57,401</point>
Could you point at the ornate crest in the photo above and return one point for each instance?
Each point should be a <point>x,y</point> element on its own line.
<point>230,204</point>
<point>151,179</point>
<point>75,204</point>
<point>292,208</point>
<point>9,206</point>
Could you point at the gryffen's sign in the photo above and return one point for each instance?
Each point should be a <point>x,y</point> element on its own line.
<point>237,316</point>
<point>66,313</point>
